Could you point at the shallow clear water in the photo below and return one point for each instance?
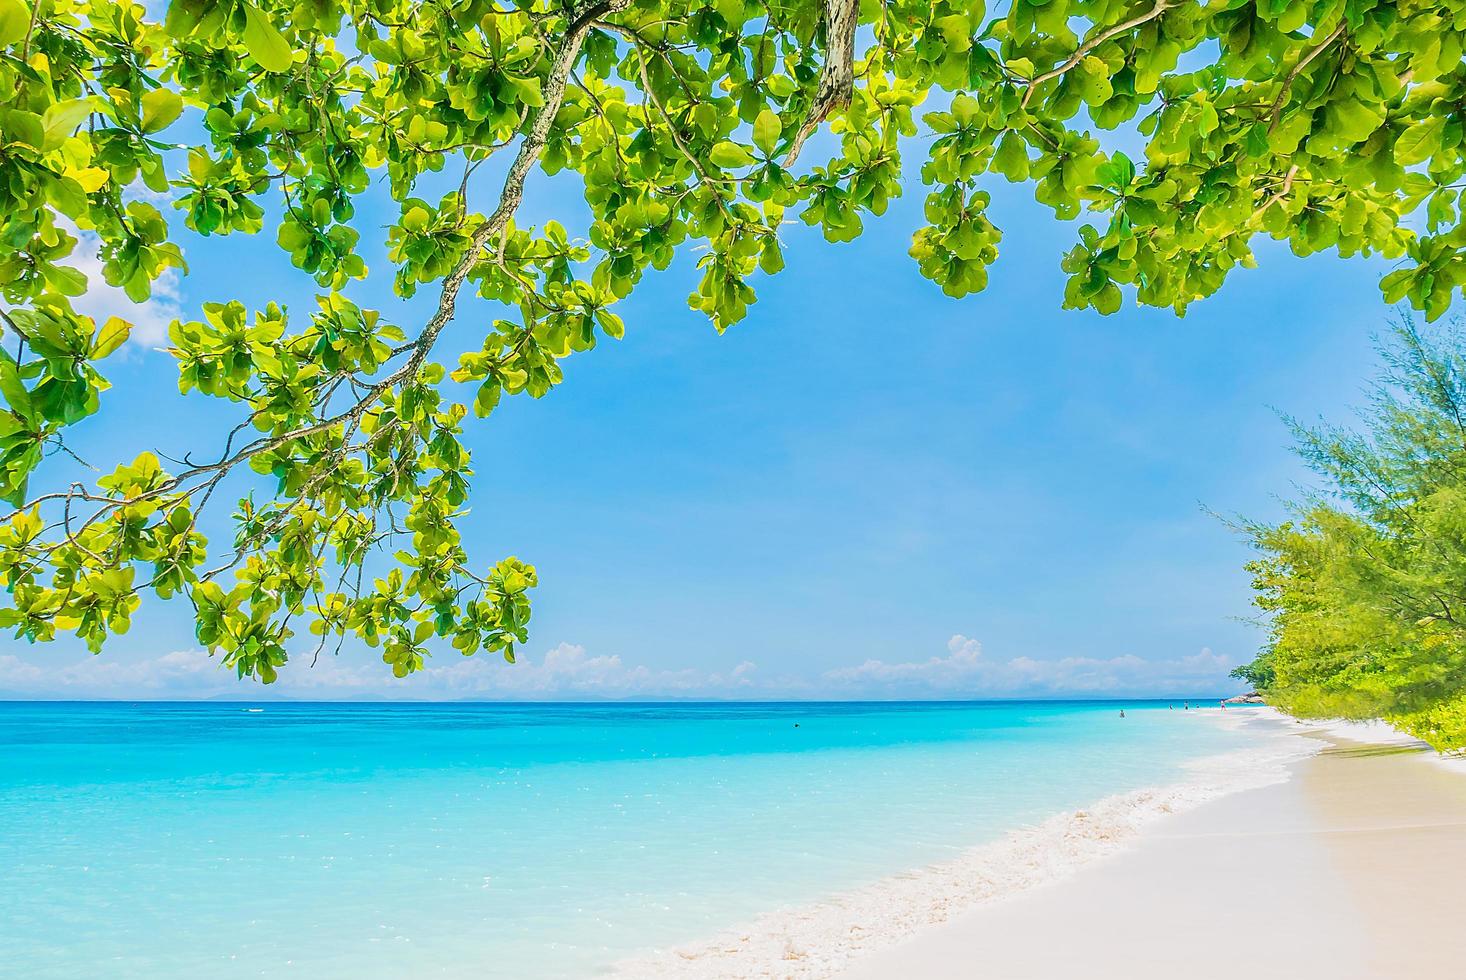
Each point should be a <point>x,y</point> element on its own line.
<point>363,840</point>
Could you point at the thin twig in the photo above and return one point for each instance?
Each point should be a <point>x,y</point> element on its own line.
<point>1090,45</point>
<point>1275,113</point>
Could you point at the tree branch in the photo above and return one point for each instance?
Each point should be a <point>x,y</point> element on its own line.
<point>1094,42</point>
<point>1279,194</point>
<point>837,79</point>
<point>580,24</point>
<point>677,140</point>
<point>1275,112</point>
<point>513,192</point>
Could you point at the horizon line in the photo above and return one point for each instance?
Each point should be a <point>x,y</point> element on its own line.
<point>230,699</point>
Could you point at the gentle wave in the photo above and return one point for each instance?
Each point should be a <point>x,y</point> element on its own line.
<point>824,939</point>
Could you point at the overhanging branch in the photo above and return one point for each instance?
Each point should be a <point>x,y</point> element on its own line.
<point>1091,44</point>
<point>837,79</point>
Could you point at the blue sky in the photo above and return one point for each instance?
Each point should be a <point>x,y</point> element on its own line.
<point>865,489</point>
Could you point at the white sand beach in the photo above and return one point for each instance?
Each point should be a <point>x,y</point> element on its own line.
<point>1350,869</point>
<point>1337,854</point>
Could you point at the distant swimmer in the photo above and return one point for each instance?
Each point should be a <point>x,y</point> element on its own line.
<point>1122,712</point>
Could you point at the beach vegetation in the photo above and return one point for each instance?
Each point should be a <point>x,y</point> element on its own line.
<point>1364,585</point>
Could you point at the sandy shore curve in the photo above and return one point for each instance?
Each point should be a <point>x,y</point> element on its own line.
<point>917,920</point>
<point>1349,870</point>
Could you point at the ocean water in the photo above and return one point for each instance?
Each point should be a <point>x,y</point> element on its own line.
<point>173,840</point>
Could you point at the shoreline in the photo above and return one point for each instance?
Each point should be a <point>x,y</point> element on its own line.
<point>1349,870</point>
<point>827,938</point>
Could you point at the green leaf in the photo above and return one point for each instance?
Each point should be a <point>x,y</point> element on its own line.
<point>487,398</point>
<point>67,281</point>
<point>1352,120</point>
<point>267,45</point>
<point>766,130</point>
<point>1420,142</point>
<point>1011,160</point>
<point>1092,76</point>
<point>1118,172</point>
<point>529,91</point>
<point>23,127</point>
<point>62,118</point>
<point>15,22</point>
<point>112,335</point>
<point>159,108</point>
<point>957,30</point>
<point>731,155</point>
<point>1022,67</point>
<point>14,390</point>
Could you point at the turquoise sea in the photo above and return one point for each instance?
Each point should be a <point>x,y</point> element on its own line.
<point>189,840</point>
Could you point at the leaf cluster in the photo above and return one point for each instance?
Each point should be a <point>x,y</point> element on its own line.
<point>701,128</point>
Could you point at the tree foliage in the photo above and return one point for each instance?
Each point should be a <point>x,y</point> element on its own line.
<point>699,127</point>
<point>1366,588</point>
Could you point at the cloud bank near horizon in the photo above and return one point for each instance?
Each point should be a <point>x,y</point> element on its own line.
<point>568,671</point>
<point>965,670</point>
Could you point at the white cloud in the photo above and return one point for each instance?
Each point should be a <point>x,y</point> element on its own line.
<point>564,671</point>
<point>964,672</point>
<point>569,671</point>
<point>149,318</point>
<point>182,673</point>
<point>963,660</point>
